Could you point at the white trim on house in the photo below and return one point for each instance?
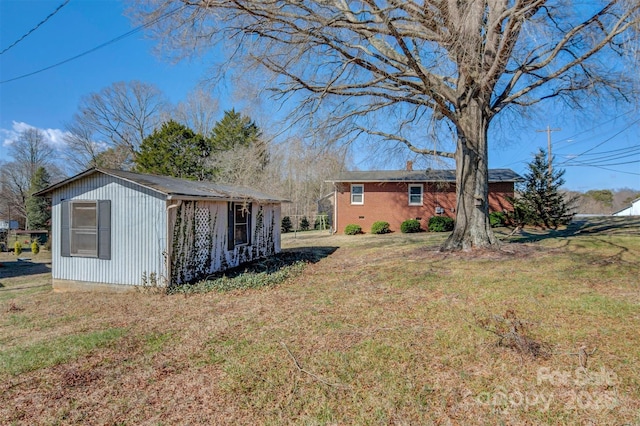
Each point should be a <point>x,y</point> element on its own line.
<point>361,194</point>
<point>410,195</point>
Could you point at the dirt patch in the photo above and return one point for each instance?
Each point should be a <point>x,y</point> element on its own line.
<point>506,251</point>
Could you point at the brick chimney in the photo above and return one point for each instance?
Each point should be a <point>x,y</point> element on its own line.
<point>409,166</point>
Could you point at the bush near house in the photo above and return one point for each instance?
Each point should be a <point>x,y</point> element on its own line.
<point>304,224</point>
<point>497,219</point>
<point>410,226</point>
<point>17,248</point>
<point>380,227</point>
<point>35,247</point>
<point>440,224</point>
<point>352,229</point>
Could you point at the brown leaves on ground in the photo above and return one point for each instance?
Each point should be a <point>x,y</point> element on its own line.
<point>372,333</point>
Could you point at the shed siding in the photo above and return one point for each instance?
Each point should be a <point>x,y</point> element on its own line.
<point>200,239</point>
<point>138,233</point>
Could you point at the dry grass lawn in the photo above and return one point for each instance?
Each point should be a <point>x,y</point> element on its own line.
<point>384,330</point>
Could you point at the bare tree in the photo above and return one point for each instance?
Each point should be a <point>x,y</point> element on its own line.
<point>30,151</point>
<point>81,151</point>
<point>303,173</point>
<point>394,69</point>
<point>198,112</point>
<point>118,117</point>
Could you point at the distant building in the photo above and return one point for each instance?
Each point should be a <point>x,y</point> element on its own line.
<point>393,196</point>
<point>8,224</point>
<point>632,210</point>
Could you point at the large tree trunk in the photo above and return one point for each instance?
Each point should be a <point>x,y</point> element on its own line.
<point>472,228</point>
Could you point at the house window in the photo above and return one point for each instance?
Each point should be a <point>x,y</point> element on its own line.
<point>86,229</point>
<point>239,224</point>
<point>415,195</point>
<point>357,194</point>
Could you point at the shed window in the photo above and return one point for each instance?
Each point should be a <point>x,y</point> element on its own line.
<point>415,195</point>
<point>239,224</point>
<point>86,229</point>
<point>357,194</point>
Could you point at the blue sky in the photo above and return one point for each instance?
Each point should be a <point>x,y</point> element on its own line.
<point>47,100</point>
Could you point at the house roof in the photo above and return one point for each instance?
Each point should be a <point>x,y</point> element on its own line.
<point>175,188</point>
<point>430,175</point>
<point>629,207</point>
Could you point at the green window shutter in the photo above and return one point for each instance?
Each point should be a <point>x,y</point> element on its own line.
<point>230,227</point>
<point>65,244</point>
<point>104,229</point>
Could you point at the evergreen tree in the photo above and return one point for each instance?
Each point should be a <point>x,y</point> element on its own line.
<point>541,203</point>
<point>304,224</point>
<point>174,150</point>
<point>233,130</point>
<point>38,211</point>
<point>286,225</point>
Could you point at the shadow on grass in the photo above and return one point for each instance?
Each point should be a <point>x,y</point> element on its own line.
<point>597,225</point>
<point>286,258</point>
<point>260,273</point>
<point>22,268</point>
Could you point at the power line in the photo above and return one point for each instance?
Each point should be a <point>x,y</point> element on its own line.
<point>565,146</point>
<point>612,151</point>
<point>604,168</point>
<point>603,142</point>
<point>36,27</point>
<point>610,156</point>
<point>114,40</point>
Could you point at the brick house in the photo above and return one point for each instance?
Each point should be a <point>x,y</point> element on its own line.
<point>364,197</point>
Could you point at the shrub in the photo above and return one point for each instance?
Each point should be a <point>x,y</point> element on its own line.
<point>35,247</point>
<point>304,224</point>
<point>352,229</point>
<point>440,224</point>
<point>410,226</point>
<point>17,248</point>
<point>497,219</point>
<point>285,225</point>
<point>380,227</point>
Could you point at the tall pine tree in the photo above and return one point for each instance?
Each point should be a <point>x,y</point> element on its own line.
<point>234,130</point>
<point>38,211</point>
<point>541,203</point>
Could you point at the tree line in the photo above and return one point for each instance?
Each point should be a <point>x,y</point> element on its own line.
<point>129,126</point>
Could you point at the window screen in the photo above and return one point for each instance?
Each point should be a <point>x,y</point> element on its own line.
<point>84,228</point>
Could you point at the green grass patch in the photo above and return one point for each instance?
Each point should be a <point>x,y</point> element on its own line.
<point>156,342</point>
<point>23,359</point>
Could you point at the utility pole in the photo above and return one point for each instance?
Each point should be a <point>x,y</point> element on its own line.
<point>548,130</point>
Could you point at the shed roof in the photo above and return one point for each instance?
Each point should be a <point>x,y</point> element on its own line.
<point>175,188</point>
<point>430,175</point>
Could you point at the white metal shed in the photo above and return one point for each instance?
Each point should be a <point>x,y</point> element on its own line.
<point>116,230</point>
